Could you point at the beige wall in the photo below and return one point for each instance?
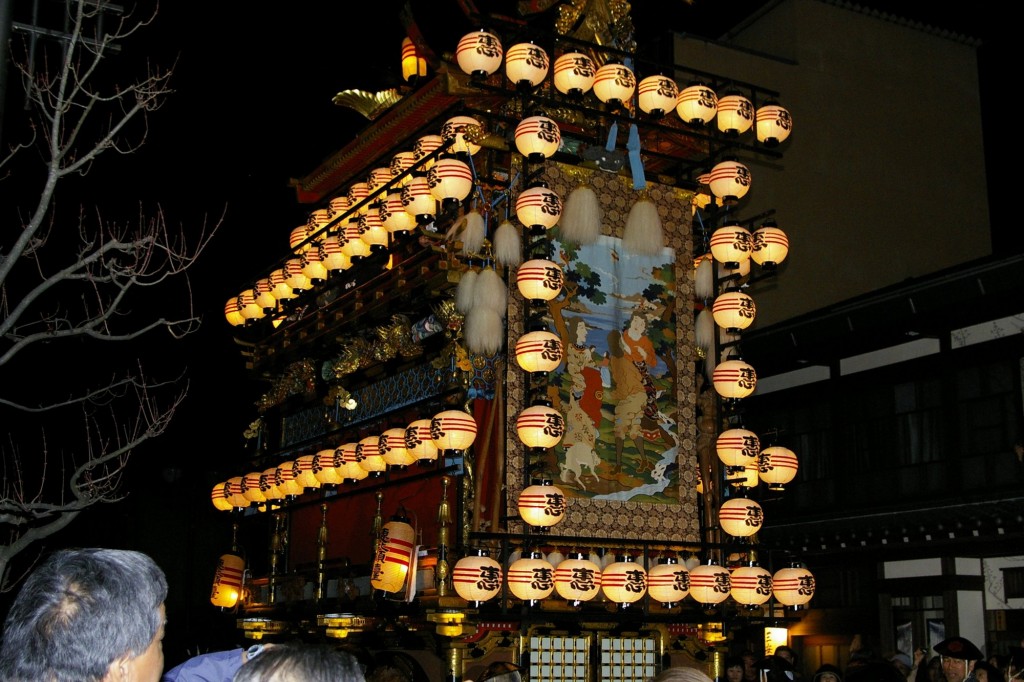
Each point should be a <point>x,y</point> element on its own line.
<point>883,178</point>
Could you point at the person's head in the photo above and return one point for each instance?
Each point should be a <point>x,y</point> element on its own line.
<point>827,673</point>
<point>902,662</point>
<point>786,653</point>
<point>86,615</point>
<point>681,674</point>
<point>958,657</point>
<point>986,672</point>
<point>301,663</point>
<point>733,669</point>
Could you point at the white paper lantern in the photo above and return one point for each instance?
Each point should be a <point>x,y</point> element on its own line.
<point>540,426</point>
<point>734,310</point>
<point>738,448</point>
<point>453,430</point>
<point>614,83</point>
<point>479,53</point>
<point>697,104</point>
<point>394,556</point>
<point>457,133</point>
<point>574,73</point>
<point>734,379</point>
<point>477,577</point>
<point>793,586</point>
<point>542,504</point>
<point>624,581</point>
<point>577,579</point>
<point>751,585</point>
<point>735,114</point>
<point>657,95</point>
<point>537,137</point>
<point>419,442</point>
<point>392,447</point>
<point>769,245</point>
<point>531,578</point>
<point>369,455</point>
<point>777,466</point>
<point>539,351</point>
<point>774,124</point>
<point>729,181</point>
<point>526,65</point>
<point>709,584</point>
<point>538,207</point>
<point>668,582</point>
<point>740,517</point>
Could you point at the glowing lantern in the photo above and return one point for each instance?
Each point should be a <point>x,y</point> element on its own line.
<point>531,578</point>
<point>542,504</point>
<point>378,180</point>
<point>227,581</point>
<point>538,137</point>
<point>479,53</point>
<point>354,247</point>
<point>394,216</point>
<point>453,430</point>
<point>282,290</point>
<point>777,466</point>
<point>734,379</point>
<point>477,577</point>
<point>769,245</point>
<point>327,467</point>
<point>540,280</point>
<point>233,313</point>
<point>297,279</point>
<point>372,232</point>
<point>459,132</point>
<point>735,114</point>
<point>236,492</point>
<point>419,442</point>
<point>751,585</point>
<point>624,581</point>
<point>418,201</point>
<point>264,289</point>
<point>709,584</point>
<point>539,351</point>
<point>357,195</point>
<point>657,94</point>
<point>740,517</point>
<point>538,207</point>
<point>219,496</point>
<point>540,426</point>
<point>614,83</point>
<point>400,163</point>
<point>738,447</point>
<point>394,556</point>
<point>526,64</point>
<point>307,475</point>
<point>270,484</point>
<point>313,265</point>
<point>334,257</point>
<point>413,64</point>
<point>668,581</point>
<point>697,104</point>
<point>734,310</point>
<point>577,578</point>
<point>743,477</point>
<point>574,73</point>
<point>392,448</point>
<point>450,181</point>
<point>730,244</point>
<point>288,475</point>
<point>370,457</point>
<point>251,487</point>
<point>248,307</point>
<point>424,147</point>
<point>338,207</point>
<point>774,124</point>
<point>351,468</point>
<point>793,586</point>
<point>297,239</point>
<point>729,181</point>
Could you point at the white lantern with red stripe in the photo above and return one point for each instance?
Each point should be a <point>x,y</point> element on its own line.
<point>574,73</point>
<point>357,195</point>
<point>394,556</point>
<point>697,104</point>
<point>774,124</point>
<point>236,492</point>
<point>414,65</point>
<point>450,180</point>
<point>400,163</point>
<point>219,497</point>
<point>734,311</point>
<point>479,53</point>
<point>729,181</point>
<point>730,244</point>
<point>394,216</point>
<point>227,581</point>
<point>270,484</point>
<point>334,257</point>
<point>306,468</point>
<point>738,447</point>
<point>777,466</point>
<point>313,264</point>
<point>419,442</point>
<point>540,279</point>
<point>614,83</point>
<point>251,487</point>
<point>539,207</point>
<point>372,231</point>
<point>378,180</point>
<point>740,517</point>
<point>279,280</point>
<point>751,585</point>
<point>327,467</point>
<point>769,245</point>
<point>339,210</point>
<point>453,430</point>
<point>734,379</point>
<point>233,312</point>
<point>354,247</point>
<point>539,351</point>
<point>668,581</point>
<point>531,578</point>
<point>541,504</point>
<point>351,467</point>
<point>298,280</point>
<point>459,133</point>
<point>248,307</point>
<point>369,455</point>
<point>264,289</point>
<point>657,95</point>
<point>423,148</point>
<point>477,577</point>
<point>735,114</point>
<point>297,239</point>
<point>540,426</point>
<point>392,448</point>
<point>709,584</point>
<point>793,586</point>
<point>288,477</point>
<point>526,64</point>
<point>577,579</point>
<point>419,201</point>
<point>624,581</point>
<point>538,137</point>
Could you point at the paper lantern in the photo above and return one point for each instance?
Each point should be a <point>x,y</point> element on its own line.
<point>236,492</point>
<point>738,448</point>
<point>400,163</point>
<point>394,556</point>
<point>751,585</point>
<point>577,579</point>
<point>378,180</point>
<point>357,195</point>
<point>657,94</point>
<point>453,430</point>
<point>526,65</point>
<point>282,290</point>
<point>307,475</point>
<point>539,351</point>
<point>793,586</point>
<point>574,73</point>
<point>769,245</point>
<point>351,467</point>
<point>531,578</point>
<point>219,496</point>
<point>740,517</point>
<point>697,104</point>
<point>424,147</point>
<point>709,584</point>
<point>298,239</point>
<point>450,181</point>
<point>419,442</point>
<point>327,466</point>
<point>729,181</point>
<point>777,466</point>
<point>418,200</point>
<point>370,457</point>
<point>372,231</point>
<point>542,504</point>
<point>734,379</point>
<point>270,484</point>
<point>288,475</point>
<point>227,581</point>
<point>774,124</point>
<point>339,209</point>
<point>413,64</point>
<point>668,581</point>
<point>537,137</point>
<point>459,132</point>
<point>313,265</point>
<point>540,426</point>
<point>734,310</point>
<point>394,216</point>
<point>248,307</point>
<point>624,581</point>
<point>251,487</point>
<point>614,83</point>
<point>298,280</point>
<point>730,244</point>
<point>233,312</point>
<point>264,289</point>
<point>477,577</point>
<point>735,114</point>
<point>744,477</point>
<point>354,247</point>
<point>538,207</point>
<point>540,280</point>
<point>334,257</point>
<point>479,53</point>
<point>392,448</point>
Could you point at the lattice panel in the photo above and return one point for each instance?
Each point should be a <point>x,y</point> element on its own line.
<point>559,659</point>
<point>627,659</point>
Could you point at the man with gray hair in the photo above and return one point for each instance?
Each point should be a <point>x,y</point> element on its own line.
<point>87,615</point>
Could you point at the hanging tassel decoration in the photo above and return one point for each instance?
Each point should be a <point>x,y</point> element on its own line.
<point>508,244</point>
<point>464,293</point>
<point>483,331</point>
<point>642,235</point>
<point>474,233</point>
<point>705,335</point>
<point>704,278</point>
<point>581,221</point>
<point>490,292</point>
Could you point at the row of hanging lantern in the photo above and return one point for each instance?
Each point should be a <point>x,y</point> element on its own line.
<point>578,578</point>
<point>421,442</point>
<point>527,65</point>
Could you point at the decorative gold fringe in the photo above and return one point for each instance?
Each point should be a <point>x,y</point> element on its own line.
<point>582,219</point>
<point>643,235</point>
<point>508,245</point>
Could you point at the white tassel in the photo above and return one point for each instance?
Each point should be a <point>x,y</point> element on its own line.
<point>581,220</point>
<point>508,245</point>
<point>490,292</point>
<point>473,234</point>
<point>464,294</point>
<point>704,279</point>
<point>643,235</point>
<point>484,331</point>
<point>705,333</point>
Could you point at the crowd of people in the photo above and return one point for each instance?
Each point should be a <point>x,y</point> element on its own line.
<point>97,615</point>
